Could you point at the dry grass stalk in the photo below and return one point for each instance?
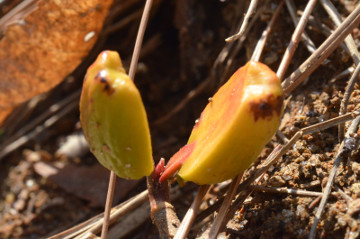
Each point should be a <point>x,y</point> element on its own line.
<point>265,35</point>
<point>57,111</point>
<point>249,13</point>
<point>336,18</point>
<point>322,52</point>
<point>297,192</point>
<point>344,102</point>
<point>190,215</point>
<point>290,50</point>
<point>132,70</point>
<point>234,47</point>
<point>219,220</point>
<point>94,224</point>
<point>109,201</point>
<point>32,134</point>
<point>304,37</point>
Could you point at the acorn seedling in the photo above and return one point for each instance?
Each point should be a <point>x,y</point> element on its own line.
<point>114,120</point>
<point>115,124</point>
<point>232,130</point>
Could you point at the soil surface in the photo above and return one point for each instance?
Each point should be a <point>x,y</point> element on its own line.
<point>45,191</point>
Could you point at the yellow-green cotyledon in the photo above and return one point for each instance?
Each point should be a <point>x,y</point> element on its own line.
<point>232,130</point>
<point>114,120</point>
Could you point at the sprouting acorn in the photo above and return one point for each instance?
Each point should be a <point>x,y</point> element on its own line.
<point>232,130</point>
<point>114,120</point>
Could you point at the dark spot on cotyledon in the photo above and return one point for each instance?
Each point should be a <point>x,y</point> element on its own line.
<point>101,77</point>
<point>266,107</point>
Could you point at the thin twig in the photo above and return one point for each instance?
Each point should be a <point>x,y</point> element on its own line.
<point>249,13</point>
<point>216,205</point>
<point>109,201</point>
<point>342,74</point>
<point>310,45</point>
<point>322,52</point>
<point>219,220</point>
<point>345,100</point>
<point>92,223</point>
<point>290,50</point>
<point>346,145</point>
<point>281,136</point>
<point>265,35</point>
<point>314,202</point>
<point>297,192</point>
<point>191,214</point>
<point>118,212</point>
<point>132,70</point>
<point>336,18</point>
<point>344,195</point>
<point>183,102</point>
<point>133,220</point>
<point>18,13</point>
<point>234,51</point>
<point>139,39</point>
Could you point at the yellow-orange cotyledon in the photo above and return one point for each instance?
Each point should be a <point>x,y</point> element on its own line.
<point>232,130</point>
<point>114,120</point>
